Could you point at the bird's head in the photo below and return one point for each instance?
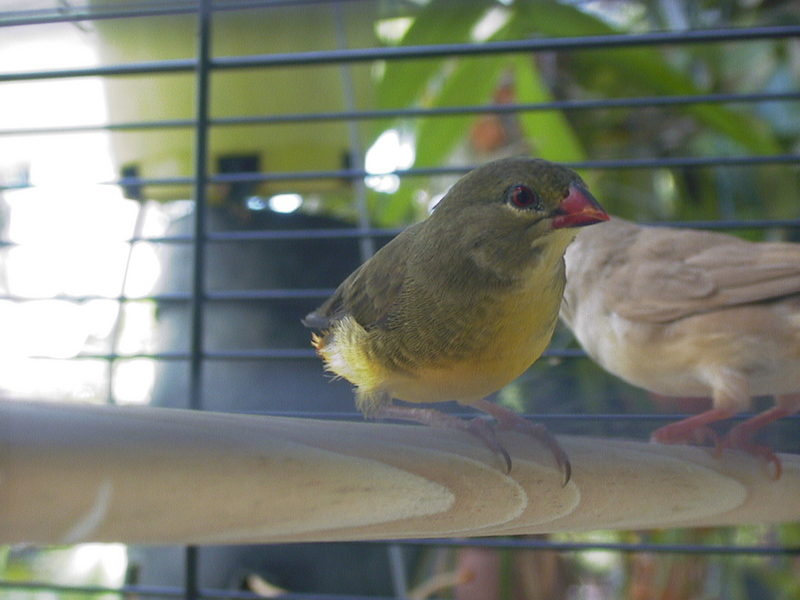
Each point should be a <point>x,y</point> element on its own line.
<point>507,211</point>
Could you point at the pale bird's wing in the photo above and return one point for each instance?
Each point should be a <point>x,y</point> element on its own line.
<point>671,274</point>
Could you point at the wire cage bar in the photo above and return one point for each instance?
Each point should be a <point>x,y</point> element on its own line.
<point>204,239</point>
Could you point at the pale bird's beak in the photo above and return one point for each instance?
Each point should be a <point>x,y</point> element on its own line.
<point>578,209</point>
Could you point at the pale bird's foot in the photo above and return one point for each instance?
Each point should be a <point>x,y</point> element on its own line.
<point>509,420</point>
<point>741,436</point>
<point>434,418</point>
<point>738,439</point>
<point>698,435</point>
<point>694,430</point>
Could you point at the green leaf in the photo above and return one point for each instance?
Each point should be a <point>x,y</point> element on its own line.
<point>440,22</point>
<point>549,132</point>
<point>646,67</point>
<point>471,83</point>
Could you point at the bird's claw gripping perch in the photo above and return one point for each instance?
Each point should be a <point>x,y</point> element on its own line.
<point>509,420</point>
<point>506,420</point>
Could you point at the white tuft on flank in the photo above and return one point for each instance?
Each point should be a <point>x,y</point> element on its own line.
<point>346,334</point>
<point>335,362</point>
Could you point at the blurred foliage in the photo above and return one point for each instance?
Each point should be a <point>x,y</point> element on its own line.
<point>570,386</point>
<point>539,574</point>
<point>691,130</point>
<point>83,565</point>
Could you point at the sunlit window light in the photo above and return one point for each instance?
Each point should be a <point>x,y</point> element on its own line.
<point>665,191</point>
<point>257,203</point>
<point>144,271</point>
<point>53,158</point>
<point>53,379</point>
<point>101,317</point>
<point>106,560</point>
<point>491,22</point>
<point>71,233</point>
<point>100,564</point>
<point>387,184</point>
<point>392,151</point>
<point>391,31</point>
<point>137,334</point>
<point>70,214</point>
<point>133,380</point>
<point>71,240</point>
<point>618,13</point>
<point>51,328</point>
<point>285,203</point>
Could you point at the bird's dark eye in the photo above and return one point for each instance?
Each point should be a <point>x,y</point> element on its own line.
<point>522,196</point>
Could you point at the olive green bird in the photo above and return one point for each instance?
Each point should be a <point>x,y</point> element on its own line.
<point>461,304</point>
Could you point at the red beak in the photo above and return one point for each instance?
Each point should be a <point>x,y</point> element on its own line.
<point>578,209</point>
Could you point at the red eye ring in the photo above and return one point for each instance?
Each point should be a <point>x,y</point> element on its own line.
<point>522,196</point>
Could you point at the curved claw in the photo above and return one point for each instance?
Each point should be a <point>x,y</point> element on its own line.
<point>544,437</point>
<point>481,429</point>
<point>737,442</point>
<point>778,466</point>
<point>428,416</point>
<point>510,420</point>
<point>478,427</point>
<point>741,436</point>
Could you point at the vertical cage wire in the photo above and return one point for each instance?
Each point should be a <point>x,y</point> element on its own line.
<point>206,64</point>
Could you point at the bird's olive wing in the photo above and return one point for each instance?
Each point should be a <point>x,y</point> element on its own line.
<point>371,291</point>
<point>373,294</point>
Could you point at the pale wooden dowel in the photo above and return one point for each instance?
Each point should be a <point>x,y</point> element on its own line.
<point>78,473</point>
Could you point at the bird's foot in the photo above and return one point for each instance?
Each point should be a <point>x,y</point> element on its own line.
<point>509,420</point>
<point>738,439</point>
<point>434,418</point>
<point>678,433</point>
<point>741,436</point>
<point>694,430</point>
<point>480,428</point>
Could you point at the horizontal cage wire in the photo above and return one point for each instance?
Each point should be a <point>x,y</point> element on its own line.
<point>221,268</point>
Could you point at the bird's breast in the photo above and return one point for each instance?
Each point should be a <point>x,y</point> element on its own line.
<point>494,350</point>
<point>442,347</point>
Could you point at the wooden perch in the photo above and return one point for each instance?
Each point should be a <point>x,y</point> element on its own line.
<point>78,473</point>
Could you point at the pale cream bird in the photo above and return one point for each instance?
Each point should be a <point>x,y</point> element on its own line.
<point>687,313</point>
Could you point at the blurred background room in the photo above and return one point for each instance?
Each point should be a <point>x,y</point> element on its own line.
<point>182,181</point>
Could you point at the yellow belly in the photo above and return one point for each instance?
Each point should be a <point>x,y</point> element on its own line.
<point>493,352</point>
<point>523,325</point>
